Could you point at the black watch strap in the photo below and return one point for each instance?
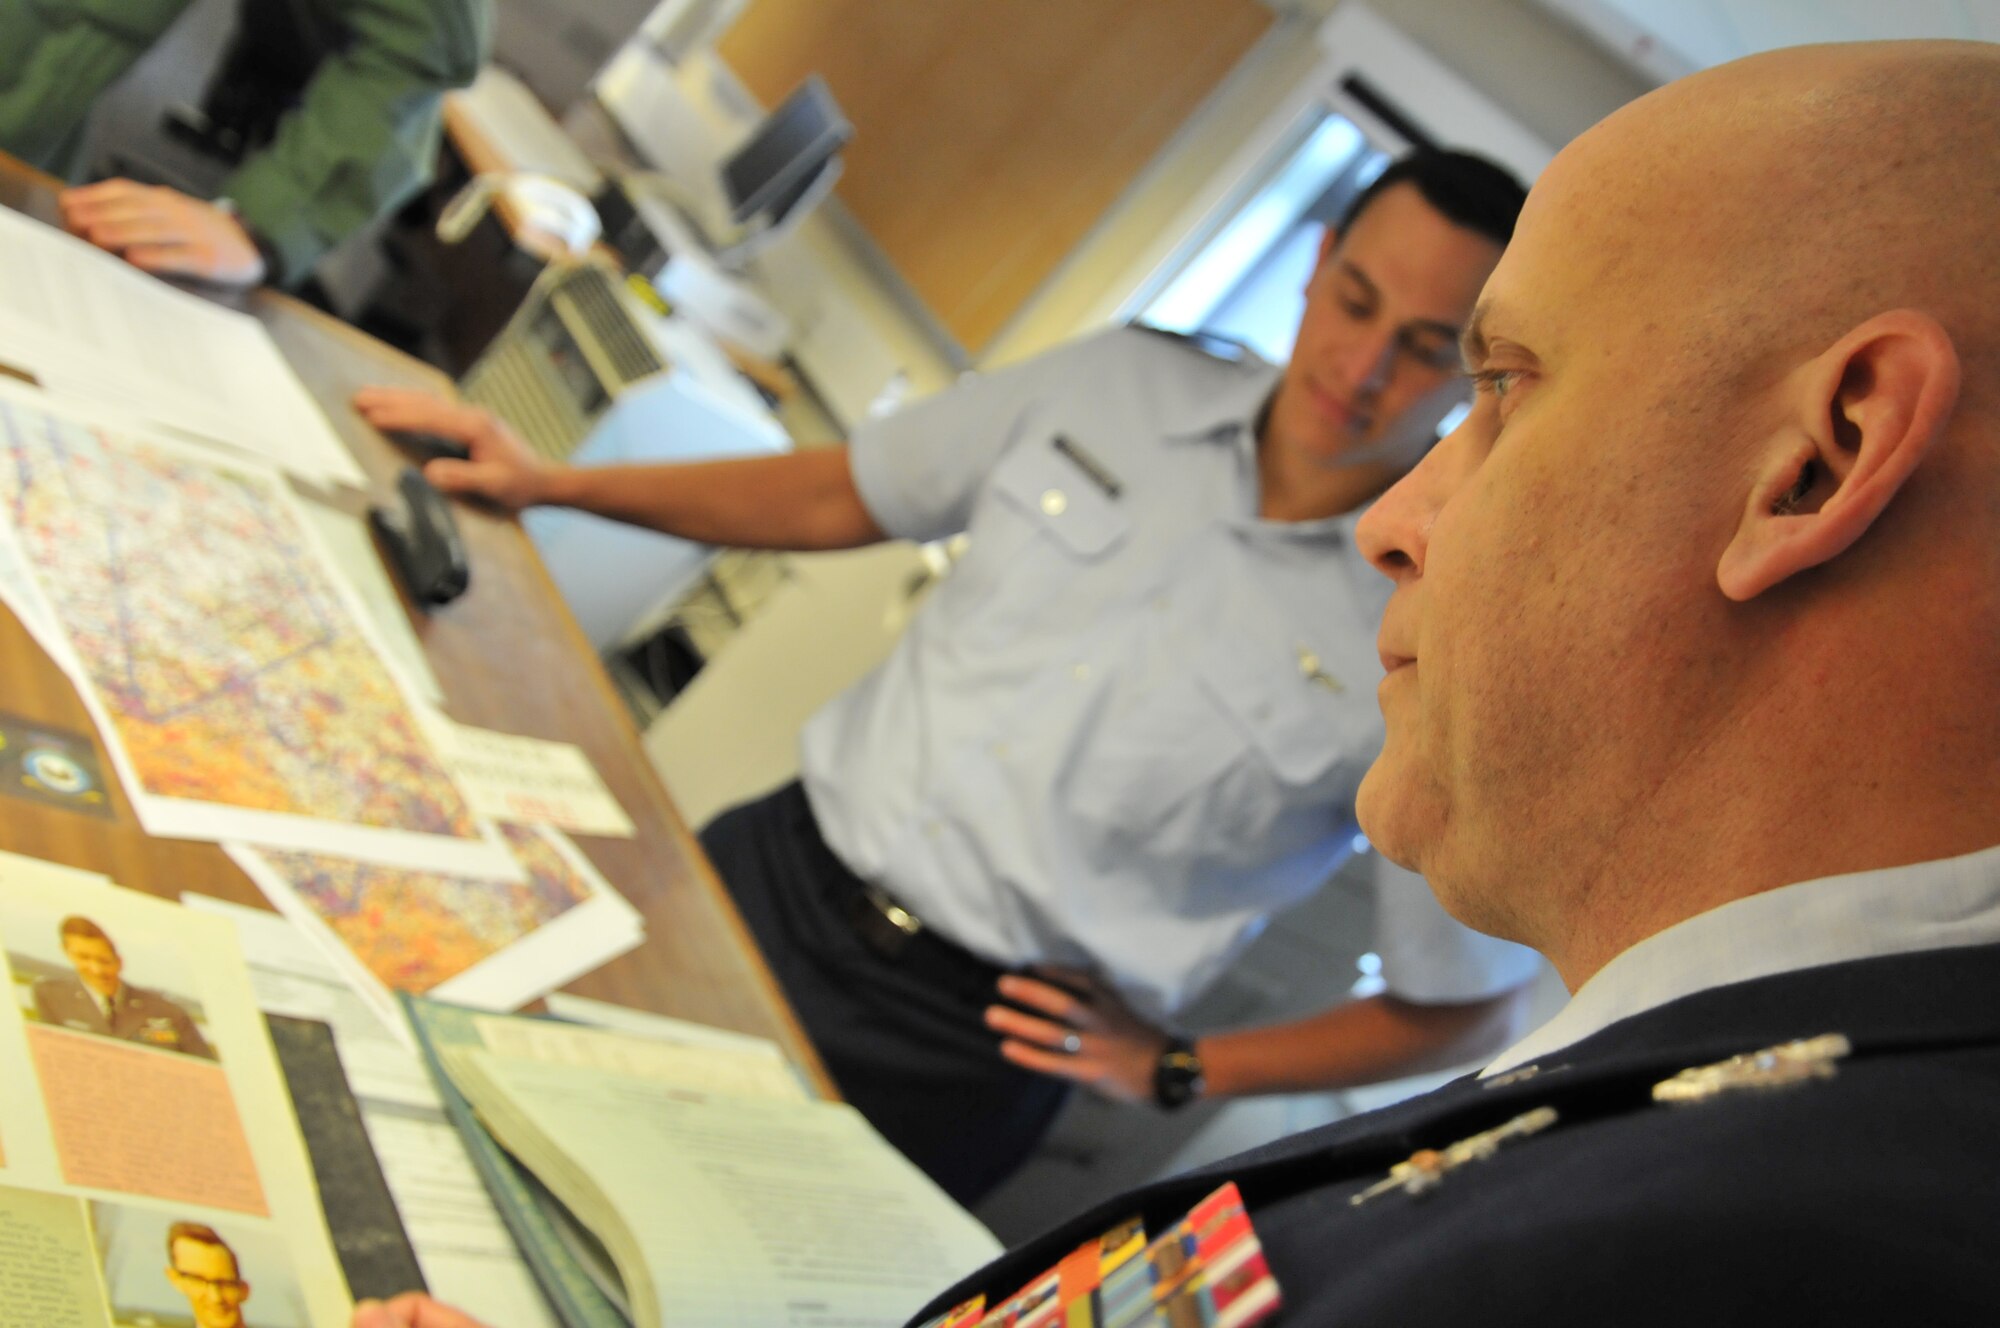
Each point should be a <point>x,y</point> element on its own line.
<point>1177,1076</point>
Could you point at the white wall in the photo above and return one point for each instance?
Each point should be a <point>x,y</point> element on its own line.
<point>1664,41</point>
<point>1552,79</point>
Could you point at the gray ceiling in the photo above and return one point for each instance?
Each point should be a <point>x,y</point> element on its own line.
<point>1667,38</point>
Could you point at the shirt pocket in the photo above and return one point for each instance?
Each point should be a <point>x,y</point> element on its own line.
<point>1059,499</point>
<point>1042,525</point>
<point>1298,719</point>
<point>1204,766</point>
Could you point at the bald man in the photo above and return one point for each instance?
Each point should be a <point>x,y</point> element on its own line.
<point>1694,686</point>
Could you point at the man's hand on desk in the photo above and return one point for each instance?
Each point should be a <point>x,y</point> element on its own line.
<point>499,467</point>
<point>411,1310</point>
<point>164,231</point>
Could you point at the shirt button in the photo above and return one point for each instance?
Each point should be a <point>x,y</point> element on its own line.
<point>1080,672</point>
<point>999,750</point>
<point>1054,503</point>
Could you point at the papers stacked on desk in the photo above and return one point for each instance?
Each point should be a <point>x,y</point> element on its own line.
<point>467,1255</point>
<point>237,683</point>
<point>125,1115</point>
<point>476,941</point>
<point>91,328</point>
<point>242,695</point>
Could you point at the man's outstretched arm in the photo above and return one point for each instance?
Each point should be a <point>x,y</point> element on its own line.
<point>1357,1042</point>
<point>797,500</point>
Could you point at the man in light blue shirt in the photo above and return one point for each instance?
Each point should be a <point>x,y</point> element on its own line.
<point>1129,725</point>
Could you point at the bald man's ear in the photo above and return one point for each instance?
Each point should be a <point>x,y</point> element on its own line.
<point>1860,419</point>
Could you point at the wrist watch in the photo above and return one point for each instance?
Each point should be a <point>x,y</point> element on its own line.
<point>1177,1077</point>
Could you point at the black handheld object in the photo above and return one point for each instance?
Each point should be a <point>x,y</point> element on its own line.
<point>427,446</point>
<point>423,542</point>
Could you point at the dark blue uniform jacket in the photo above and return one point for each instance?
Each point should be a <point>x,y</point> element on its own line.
<point>1872,1197</point>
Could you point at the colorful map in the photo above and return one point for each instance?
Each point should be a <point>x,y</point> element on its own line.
<point>415,930</point>
<point>226,664</point>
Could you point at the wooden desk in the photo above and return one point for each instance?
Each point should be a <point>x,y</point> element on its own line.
<point>509,656</point>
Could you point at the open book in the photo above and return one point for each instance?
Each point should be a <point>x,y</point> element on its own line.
<point>718,1192</point>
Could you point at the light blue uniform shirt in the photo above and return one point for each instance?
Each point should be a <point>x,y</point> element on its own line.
<point>1130,724</point>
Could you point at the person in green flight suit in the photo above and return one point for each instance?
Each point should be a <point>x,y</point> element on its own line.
<point>359,142</point>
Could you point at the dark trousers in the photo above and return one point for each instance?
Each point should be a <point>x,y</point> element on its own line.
<point>901,1033</point>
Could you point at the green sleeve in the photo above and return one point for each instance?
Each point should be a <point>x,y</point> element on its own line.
<point>56,56</point>
<point>365,133</point>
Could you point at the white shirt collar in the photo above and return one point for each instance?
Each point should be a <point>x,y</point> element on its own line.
<point>1925,906</point>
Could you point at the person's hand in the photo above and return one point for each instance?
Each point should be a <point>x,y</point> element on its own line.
<point>163,231</point>
<point>1090,1034</point>
<point>499,467</point>
<point>412,1309</point>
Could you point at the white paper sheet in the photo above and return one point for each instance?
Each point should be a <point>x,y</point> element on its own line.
<point>586,937</point>
<point>220,640</point>
<point>517,954</point>
<point>19,871</point>
<point>660,1027</point>
<point>733,1072</point>
<point>468,1257</point>
<point>17,580</point>
<point>352,551</point>
<point>513,778</point>
<point>17,592</point>
<point>292,976</point>
<point>92,327</point>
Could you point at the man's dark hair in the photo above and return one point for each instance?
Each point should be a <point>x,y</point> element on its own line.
<point>1469,190</point>
<point>82,928</point>
<point>200,1235</point>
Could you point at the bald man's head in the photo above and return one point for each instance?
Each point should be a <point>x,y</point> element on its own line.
<point>1781,199</point>
<point>1704,596</point>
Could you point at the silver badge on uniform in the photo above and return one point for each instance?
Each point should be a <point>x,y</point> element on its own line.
<point>1509,1078</point>
<point>1427,1167</point>
<point>1773,1067</point>
<point>1314,672</point>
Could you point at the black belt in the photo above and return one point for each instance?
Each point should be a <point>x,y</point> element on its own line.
<point>900,937</point>
<point>890,931</point>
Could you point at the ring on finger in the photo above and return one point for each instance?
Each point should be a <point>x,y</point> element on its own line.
<point>1071,1044</point>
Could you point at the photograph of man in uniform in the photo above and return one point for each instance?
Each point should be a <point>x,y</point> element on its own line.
<point>97,999</point>
<point>203,1268</point>
<point>215,1274</point>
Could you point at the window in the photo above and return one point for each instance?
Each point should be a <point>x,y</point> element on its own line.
<point>1248,282</point>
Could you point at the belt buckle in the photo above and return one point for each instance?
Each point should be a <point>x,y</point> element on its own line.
<point>886,926</point>
<point>897,916</point>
